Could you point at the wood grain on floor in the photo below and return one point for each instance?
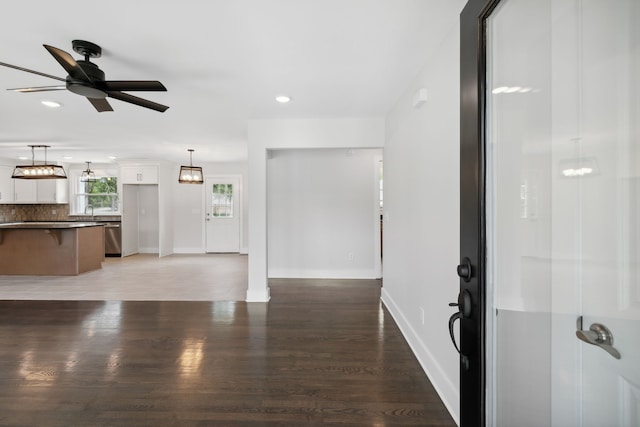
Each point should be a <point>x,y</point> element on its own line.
<point>319,353</point>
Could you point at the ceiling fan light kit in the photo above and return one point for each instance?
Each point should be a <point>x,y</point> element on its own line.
<point>39,171</point>
<point>190,174</point>
<point>86,79</point>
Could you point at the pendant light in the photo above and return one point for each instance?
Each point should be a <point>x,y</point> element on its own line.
<point>190,174</point>
<point>42,171</point>
<point>88,175</point>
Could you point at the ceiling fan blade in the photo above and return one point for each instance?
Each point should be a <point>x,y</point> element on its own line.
<point>37,88</point>
<point>100,104</point>
<point>4,64</point>
<point>134,85</point>
<point>137,101</point>
<point>68,63</point>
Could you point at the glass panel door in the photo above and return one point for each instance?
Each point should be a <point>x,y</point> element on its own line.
<point>222,217</point>
<point>563,198</point>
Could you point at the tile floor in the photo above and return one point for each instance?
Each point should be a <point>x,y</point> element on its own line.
<point>143,277</point>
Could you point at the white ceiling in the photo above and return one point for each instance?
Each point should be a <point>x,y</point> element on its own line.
<point>222,61</point>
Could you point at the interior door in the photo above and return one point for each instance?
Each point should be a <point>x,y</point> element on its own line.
<point>222,215</point>
<point>550,166</point>
<point>129,220</point>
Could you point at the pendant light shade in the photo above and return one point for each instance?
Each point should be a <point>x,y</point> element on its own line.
<point>41,171</point>
<point>88,175</point>
<point>190,174</point>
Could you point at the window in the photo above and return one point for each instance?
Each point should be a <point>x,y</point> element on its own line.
<point>97,197</point>
<point>222,200</point>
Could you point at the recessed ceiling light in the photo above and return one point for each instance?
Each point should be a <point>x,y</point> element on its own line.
<point>283,99</point>
<point>51,104</point>
<point>22,157</point>
<point>112,157</point>
<point>67,157</point>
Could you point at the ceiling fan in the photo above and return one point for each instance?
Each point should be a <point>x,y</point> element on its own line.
<point>86,79</point>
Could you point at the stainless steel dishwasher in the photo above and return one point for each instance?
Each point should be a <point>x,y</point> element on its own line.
<point>112,238</point>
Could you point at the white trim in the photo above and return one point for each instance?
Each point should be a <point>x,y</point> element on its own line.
<point>244,251</point>
<point>376,217</point>
<point>447,391</point>
<point>322,274</point>
<point>258,295</point>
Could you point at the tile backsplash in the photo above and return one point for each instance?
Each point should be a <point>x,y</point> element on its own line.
<point>39,212</point>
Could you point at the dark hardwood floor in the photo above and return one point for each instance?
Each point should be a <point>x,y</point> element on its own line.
<point>320,353</point>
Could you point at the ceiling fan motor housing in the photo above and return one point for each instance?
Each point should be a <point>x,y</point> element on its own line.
<point>84,88</point>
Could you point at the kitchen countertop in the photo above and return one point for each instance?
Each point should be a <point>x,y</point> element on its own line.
<point>48,225</point>
<point>93,218</point>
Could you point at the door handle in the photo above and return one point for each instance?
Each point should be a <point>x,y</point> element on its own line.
<point>464,310</point>
<point>455,316</point>
<point>598,335</point>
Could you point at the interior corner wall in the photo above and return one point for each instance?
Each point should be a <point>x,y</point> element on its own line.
<point>323,213</point>
<point>189,209</point>
<point>421,217</point>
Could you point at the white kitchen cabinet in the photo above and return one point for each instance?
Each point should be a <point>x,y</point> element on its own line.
<point>24,191</point>
<point>40,191</point>
<point>139,174</point>
<point>52,191</point>
<point>6,187</point>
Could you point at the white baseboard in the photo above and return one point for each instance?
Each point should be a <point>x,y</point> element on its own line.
<point>262,295</point>
<point>276,273</point>
<point>448,392</point>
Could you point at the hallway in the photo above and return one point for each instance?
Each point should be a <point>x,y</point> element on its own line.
<point>320,353</point>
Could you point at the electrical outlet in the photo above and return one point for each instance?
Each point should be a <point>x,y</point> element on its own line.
<point>53,211</point>
<point>422,315</point>
<point>350,256</point>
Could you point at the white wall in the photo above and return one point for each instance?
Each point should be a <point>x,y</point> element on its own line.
<point>323,213</point>
<point>165,207</point>
<point>421,234</point>
<point>267,134</point>
<point>188,208</point>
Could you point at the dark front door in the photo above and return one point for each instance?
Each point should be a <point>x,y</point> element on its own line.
<point>549,303</point>
<point>472,299</point>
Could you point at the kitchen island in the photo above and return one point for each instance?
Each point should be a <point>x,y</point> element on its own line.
<point>51,248</point>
